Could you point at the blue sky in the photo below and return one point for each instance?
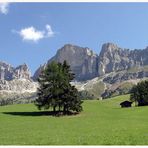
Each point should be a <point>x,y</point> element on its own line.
<point>32,32</point>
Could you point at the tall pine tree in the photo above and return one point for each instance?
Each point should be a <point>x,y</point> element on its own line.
<point>55,89</point>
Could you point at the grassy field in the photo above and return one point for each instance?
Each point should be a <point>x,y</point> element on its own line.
<point>101,123</point>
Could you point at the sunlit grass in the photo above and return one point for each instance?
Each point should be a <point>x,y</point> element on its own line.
<point>101,123</point>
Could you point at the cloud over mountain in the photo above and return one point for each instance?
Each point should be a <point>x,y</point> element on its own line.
<point>32,34</point>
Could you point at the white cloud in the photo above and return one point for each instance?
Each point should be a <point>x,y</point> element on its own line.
<point>4,8</point>
<point>32,34</point>
<point>50,33</point>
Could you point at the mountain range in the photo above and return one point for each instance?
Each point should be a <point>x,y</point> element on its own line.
<point>87,65</point>
<point>111,72</point>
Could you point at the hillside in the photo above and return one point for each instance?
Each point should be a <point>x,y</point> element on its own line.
<point>112,84</point>
<point>101,123</point>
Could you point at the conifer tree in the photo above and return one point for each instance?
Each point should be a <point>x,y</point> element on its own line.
<point>55,89</point>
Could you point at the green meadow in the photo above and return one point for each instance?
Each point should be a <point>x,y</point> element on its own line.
<point>101,123</point>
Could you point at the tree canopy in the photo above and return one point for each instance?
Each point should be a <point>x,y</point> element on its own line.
<point>139,93</point>
<point>55,90</point>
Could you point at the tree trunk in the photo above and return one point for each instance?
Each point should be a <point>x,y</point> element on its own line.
<point>64,109</point>
<point>54,109</point>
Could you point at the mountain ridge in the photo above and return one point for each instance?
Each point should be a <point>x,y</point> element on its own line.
<point>111,72</point>
<point>86,64</point>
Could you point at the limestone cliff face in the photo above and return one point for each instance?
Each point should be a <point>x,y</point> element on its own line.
<point>38,71</point>
<point>7,72</point>
<point>22,71</point>
<point>83,61</point>
<point>113,58</point>
<point>87,65</point>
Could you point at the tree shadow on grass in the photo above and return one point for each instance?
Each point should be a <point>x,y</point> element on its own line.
<point>41,113</point>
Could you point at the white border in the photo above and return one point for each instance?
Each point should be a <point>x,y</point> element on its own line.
<point>89,1</point>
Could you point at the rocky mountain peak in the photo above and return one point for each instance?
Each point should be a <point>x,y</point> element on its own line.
<point>7,72</point>
<point>22,71</point>
<point>109,47</point>
<point>113,58</point>
<point>82,60</point>
<point>73,49</point>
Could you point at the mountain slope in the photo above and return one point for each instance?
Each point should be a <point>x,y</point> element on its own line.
<point>16,85</point>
